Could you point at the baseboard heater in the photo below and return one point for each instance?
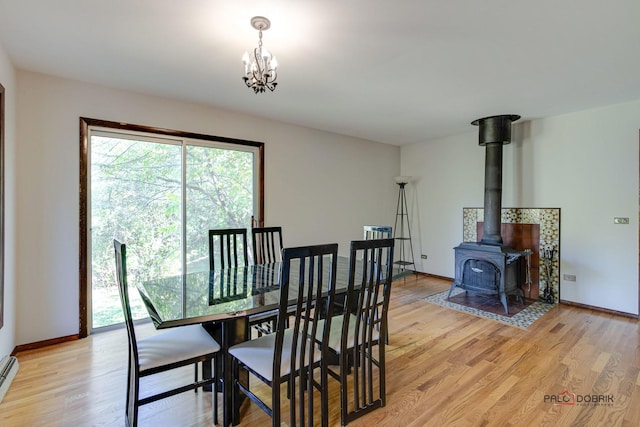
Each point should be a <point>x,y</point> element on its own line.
<point>8,370</point>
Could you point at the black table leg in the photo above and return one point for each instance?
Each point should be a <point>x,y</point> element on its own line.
<point>228,333</point>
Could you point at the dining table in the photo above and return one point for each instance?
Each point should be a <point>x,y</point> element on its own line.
<point>223,301</point>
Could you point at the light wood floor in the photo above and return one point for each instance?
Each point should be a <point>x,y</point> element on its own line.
<point>443,368</point>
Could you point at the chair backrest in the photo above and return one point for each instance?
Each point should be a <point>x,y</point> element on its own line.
<point>267,244</point>
<point>364,326</point>
<point>368,290</point>
<point>309,275</point>
<point>377,232</point>
<point>227,245</point>
<point>369,285</point>
<point>121,275</point>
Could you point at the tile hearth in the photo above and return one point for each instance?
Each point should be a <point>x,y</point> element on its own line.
<point>523,319</point>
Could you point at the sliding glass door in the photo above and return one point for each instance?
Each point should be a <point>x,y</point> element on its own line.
<point>160,195</point>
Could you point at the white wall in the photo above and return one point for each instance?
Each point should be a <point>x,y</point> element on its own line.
<point>321,187</point>
<point>7,78</point>
<point>585,163</point>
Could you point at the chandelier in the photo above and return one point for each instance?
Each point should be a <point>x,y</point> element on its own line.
<point>260,66</point>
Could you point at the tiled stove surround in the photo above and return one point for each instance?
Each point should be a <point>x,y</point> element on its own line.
<point>548,220</point>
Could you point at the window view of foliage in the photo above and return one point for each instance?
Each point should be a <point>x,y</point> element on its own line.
<point>136,197</point>
<point>219,195</point>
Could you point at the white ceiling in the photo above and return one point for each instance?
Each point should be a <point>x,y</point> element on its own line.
<point>397,72</point>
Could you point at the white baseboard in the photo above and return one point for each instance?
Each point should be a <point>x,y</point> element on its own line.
<point>8,370</point>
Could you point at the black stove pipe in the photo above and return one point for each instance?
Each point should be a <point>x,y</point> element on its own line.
<point>495,131</point>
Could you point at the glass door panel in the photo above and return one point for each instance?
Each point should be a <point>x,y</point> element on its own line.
<point>135,197</point>
<point>219,194</point>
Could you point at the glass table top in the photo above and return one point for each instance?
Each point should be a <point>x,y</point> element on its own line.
<point>222,294</point>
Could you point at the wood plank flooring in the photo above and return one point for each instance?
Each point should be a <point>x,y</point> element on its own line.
<point>444,368</point>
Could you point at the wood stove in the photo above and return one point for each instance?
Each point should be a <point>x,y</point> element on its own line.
<point>488,267</point>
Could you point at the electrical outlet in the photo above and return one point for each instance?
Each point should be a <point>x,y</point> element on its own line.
<point>569,277</point>
<point>423,256</point>
<point>620,220</point>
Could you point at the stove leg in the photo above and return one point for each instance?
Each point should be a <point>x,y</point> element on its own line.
<point>503,300</point>
<point>453,286</point>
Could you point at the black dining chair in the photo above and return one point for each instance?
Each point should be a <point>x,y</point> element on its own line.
<point>267,247</point>
<point>292,355</point>
<point>228,246</point>
<point>174,348</point>
<point>267,244</point>
<point>377,232</point>
<point>372,232</point>
<point>355,334</point>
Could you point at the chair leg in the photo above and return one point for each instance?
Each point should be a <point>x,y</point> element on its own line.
<point>214,388</point>
<point>131,411</point>
<point>308,387</point>
<point>324,393</point>
<point>345,368</point>
<point>275,403</point>
<point>235,393</point>
<point>195,377</point>
<point>383,374</point>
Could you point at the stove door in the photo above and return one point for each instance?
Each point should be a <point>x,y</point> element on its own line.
<point>481,276</point>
